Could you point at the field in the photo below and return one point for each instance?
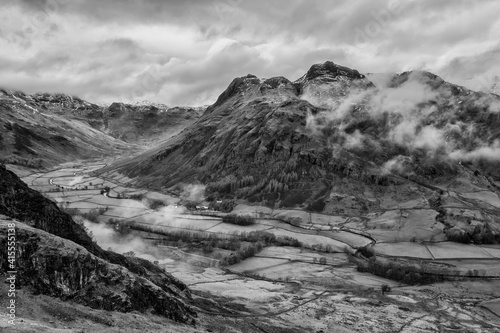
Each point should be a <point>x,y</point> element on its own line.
<point>485,196</point>
<point>405,249</point>
<point>406,225</point>
<point>493,306</point>
<point>453,250</point>
<point>301,285</point>
<point>493,251</point>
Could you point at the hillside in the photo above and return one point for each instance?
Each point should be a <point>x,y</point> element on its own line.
<point>335,142</point>
<point>35,135</point>
<point>56,257</point>
<point>332,121</point>
<point>46,129</point>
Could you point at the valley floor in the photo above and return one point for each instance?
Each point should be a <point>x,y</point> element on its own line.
<point>280,289</point>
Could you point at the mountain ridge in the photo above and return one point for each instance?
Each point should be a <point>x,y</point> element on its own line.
<point>335,143</point>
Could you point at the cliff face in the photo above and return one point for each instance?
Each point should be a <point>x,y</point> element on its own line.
<point>56,257</point>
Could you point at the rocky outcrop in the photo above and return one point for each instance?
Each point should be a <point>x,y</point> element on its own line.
<point>328,83</point>
<point>58,258</point>
<point>329,71</point>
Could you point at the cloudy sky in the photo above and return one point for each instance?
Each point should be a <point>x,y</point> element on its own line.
<point>181,52</point>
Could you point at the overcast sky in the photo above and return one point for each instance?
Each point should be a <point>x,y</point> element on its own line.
<point>186,52</point>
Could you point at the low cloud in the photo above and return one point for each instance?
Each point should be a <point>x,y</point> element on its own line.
<point>490,153</point>
<point>193,192</point>
<point>107,238</point>
<point>405,106</point>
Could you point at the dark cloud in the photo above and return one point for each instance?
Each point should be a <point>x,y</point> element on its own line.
<point>187,52</point>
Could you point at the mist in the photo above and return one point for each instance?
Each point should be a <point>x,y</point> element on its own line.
<point>107,238</point>
<point>193,192</point>
<point>490,153</point>
<point>412,117</point>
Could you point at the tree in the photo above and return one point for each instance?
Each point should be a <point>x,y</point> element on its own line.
<point>385,288</point>
<point>129,254</point>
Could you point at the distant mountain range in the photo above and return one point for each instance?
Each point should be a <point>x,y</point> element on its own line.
<point>43,129</point>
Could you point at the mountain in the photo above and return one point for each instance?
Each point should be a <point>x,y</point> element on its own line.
<point>36,132</point>
<point>332,117</point>
<point>333,141</point>
<point>132,123</point>
<point>45,129</point>
<point>56,257</point>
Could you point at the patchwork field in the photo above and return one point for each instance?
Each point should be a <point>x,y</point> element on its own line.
<point>405,249</point>
<point>297,284</point>
<point>493,251</point>
<point>453,250</point>
<point>406,225</point>
<point>299,254</point>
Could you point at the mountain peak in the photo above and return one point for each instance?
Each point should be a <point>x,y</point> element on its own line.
<point>238,85</point>
<point>424,77</point>
<point>331,70</point>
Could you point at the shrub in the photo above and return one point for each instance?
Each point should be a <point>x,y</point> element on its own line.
<point>63,206</point>
<point>30,163</point>
<point>129,254</point>
<point>191,205</point>
<point>385,288</point>
<point>94,214</point>
<point>137,197</point>
<point>208,248</point>
<point>296,198</point>
<point>316,206</point>
<point>155,204</point>
<point>242,254</point>
<point>238,220</point>
<point>225,206</point>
